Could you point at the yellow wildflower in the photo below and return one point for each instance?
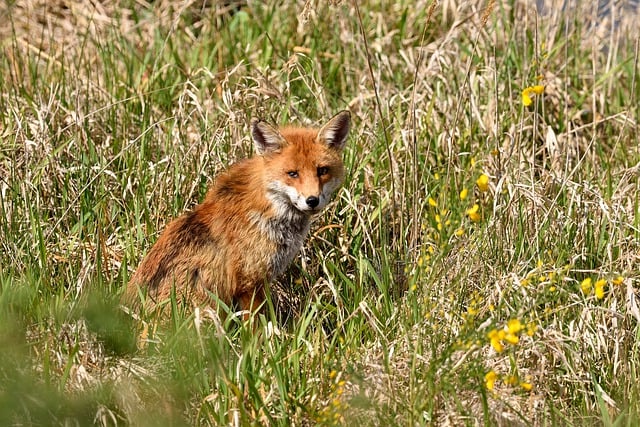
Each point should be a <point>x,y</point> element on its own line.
<point>483,183</point>
<point>511,338</point>
<point>460,232</point>
<point>618,280</point>
<point>495,338</point>
<point>585,285</point>
<point>463,194</point>
<point>432,202</point>
<point>528,92</point>
<point>473,213</point>
<point>490,379</point>
<point>532,327</point>
<point>514,326</point>
<point>599,288</point>
<point>526,386</point>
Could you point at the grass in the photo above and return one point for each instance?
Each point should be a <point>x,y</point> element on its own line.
<point>480,265</point>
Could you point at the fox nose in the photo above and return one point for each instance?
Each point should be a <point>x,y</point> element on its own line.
<point>312,201</point>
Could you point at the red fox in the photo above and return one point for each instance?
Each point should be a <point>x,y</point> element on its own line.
<point>251,223</point>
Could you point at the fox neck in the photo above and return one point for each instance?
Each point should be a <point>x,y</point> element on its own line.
<point>287,227</point>
<point>287,224</point>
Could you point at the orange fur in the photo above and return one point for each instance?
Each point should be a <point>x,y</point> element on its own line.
<point>251,223</point>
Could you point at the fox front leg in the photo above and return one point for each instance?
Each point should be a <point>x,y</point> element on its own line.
<point>251,302</point>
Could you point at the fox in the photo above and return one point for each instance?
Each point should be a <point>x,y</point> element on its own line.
<point>251,224</point>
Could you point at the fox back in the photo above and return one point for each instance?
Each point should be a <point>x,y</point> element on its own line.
<point>251,224</point>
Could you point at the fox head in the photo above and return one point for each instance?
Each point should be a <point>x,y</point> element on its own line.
<point>302,167</point>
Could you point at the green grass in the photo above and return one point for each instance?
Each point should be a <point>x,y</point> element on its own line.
<point>115,117</point>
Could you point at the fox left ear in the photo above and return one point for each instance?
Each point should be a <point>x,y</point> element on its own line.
<point>334,133</point>
<point>266,138</point>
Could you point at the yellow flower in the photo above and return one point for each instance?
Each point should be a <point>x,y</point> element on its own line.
<point>483,183</point>
<point>432,202</point>
<point>514,326</point>
<point>526,386</point>
<point>618,280</point>
<point>473,213</point>
<point>490,379</point>
<point>460,232</point>
<point>599,288</point>
<point>511,338</point>
<point>495,338</point>
<point>530,91</point>
<point>531,328</point>
<point>586,286</point>
<point>463,194</point>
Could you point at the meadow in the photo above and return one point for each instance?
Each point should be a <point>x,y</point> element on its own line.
<point>480,265</point>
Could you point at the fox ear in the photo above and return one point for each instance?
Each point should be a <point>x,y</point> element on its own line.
<point>266,138</point>
<point>334,133</point>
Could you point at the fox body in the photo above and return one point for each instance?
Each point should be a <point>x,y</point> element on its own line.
<point>252,222</point>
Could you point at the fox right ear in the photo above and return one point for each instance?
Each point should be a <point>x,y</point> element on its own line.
<point>335,132</point>
<point>266,138</point>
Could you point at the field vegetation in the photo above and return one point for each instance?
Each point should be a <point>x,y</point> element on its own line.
<point>480,265</point>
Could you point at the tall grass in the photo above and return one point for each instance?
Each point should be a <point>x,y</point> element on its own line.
<point>480,265</point>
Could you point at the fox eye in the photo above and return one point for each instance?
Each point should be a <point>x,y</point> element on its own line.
<point>323,170</point>
<point>293,174</point>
